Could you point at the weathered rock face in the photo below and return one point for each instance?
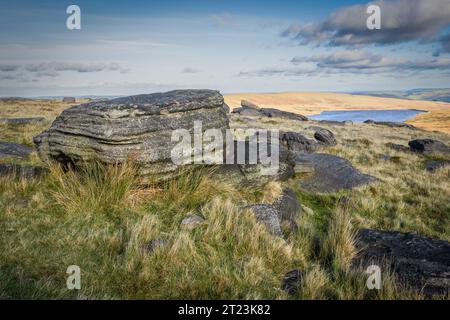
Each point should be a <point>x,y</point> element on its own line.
<point>422,263</point>
<point>325,137</point>
<point>14,150</point>
<point>331,173</point>
<point>138,126</point>
<point>428,146</point>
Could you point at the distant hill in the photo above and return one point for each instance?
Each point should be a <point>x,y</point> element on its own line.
<point>442,94</point>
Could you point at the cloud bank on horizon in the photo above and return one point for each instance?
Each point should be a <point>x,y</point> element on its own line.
<point>233,46</point>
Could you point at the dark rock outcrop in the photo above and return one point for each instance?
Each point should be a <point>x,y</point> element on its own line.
<point>298,142</point>
<point>138,126</point>
<point>390,124</point>
<point>14,150</point>
<point>331,173</point>
<point>325,137</point>
<point>422,263</point>
<point>432,165</point>
<point>22,171</point>
<point>398,147</point>
<point>428,146</point>
<point>34,120</point>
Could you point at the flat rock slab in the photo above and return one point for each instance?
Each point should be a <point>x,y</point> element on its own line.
<point>35,120</point>
<point>331,173</point>
<point>14,150</point>
<point>422,263</point>
<point>22,171</point>
<point>391,124</point>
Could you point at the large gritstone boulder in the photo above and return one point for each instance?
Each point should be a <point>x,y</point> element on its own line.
<point>138,127</point>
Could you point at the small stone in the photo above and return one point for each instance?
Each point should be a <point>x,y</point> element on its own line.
<point>307,210</point>
<point>154,245</point>
<point>267,215</point>
<point>292,281</point>
<point>325,137</point>
<point>191,221</point>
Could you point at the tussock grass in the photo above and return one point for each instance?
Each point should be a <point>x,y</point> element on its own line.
<point>94,188</point>
<point>100,218</point>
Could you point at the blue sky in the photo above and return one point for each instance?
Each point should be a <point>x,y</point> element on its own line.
<point>233,46</point>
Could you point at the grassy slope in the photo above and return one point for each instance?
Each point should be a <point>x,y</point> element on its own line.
<point>99,219</point>
<point>308,103</point>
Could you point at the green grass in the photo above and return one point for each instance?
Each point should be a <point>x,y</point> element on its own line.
<point>100,218</point>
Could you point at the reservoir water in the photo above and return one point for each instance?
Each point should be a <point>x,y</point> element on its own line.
<point>363,115</point>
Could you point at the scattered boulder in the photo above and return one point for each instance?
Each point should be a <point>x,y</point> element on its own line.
<point>248,104</point>
<point>298,142</point>
<point>267,215</point>
<point>69,100</point>
<point>292,281</point>
<point>15,150</point>
<point>428,146</point>
<point>250,109</point>
<point>246,111</point>
<point>288,208</point>
<point>34,120</point>
<point>390,124</point>
<point>398,147</point>
<point>331,173</point>
<point>422,263</point>
<point>154,245</point>
<point>191,221</point>
<point>325,137</point>
<point>22,171</point>
<point>433,165</point>
<point>275,113</point>
<point>336,123</point>
<point>384,157</point>
<point>137,126</point>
